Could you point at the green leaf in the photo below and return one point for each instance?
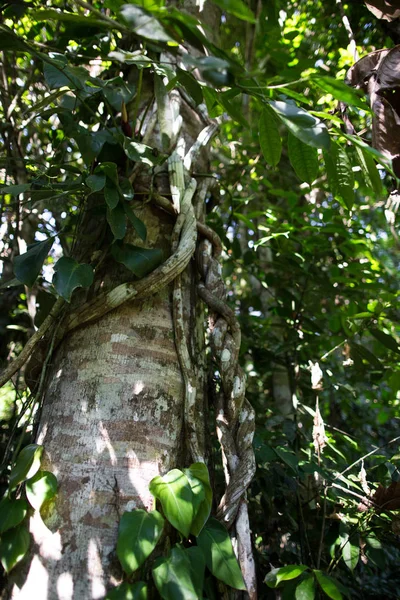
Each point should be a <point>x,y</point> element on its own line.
<point>306,589</point>
<point>138,534</point>
<point>26,465</point>
<point>270,139</point>
<point>139,226</point>
<point>126,189</point>
<point>96,182</point>
<point>142,153</point>
<point>369,170</point>
<point>14,545</point>
<point>175,494</point>
<point>302,124</point>
<point>109,169</point>
<point>288,457</point>
<point>365,354</point>
<point>385,339</point>
<point>341,91</point>
<point>199,480</point>
<point>69,275</point>
<point>117,221</point>
<point>144,24</point>
<point>328,585</point>
<point>27,266</point>
<point>173,576</point>
<point>340,175</point>
<point>12,512</point>
<point>190,84</point>
<point>237,8</point>
<point>139,260</point>
<point>41,488</point>
<point>351,554</point>
<point>303,158</point>
<point>128,591</point>
<point>111,194</point>
<point>197,567</point>
<point>217,548</point>
<point>15,190</point>
<point>275,576</point>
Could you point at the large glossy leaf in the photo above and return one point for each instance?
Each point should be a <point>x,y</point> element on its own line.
<point>306,589</point>
<point>144,24</point>
<point>41,488</point>
<point>199,480</point>
<point>14,544</point>
<point>138,534</point>
<point>306,127</point>
<point>270,139</point>
<point>12,512</point>
<point>340,175</point>
<point>128,591</point>
<point>27,266</point>
<point>328,585</point>
<point>217,548</point>
<point>173,576</point>
<point>96,182</point>
<point>26,465</point>
<point>238,8</point>
<point>69,275</point>
<point>197,567</point>
<point>304,159</point>
<point>140,261</point>
<point>174,492</point>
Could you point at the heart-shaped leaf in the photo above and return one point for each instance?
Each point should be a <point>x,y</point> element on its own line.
<point>199,480</point>
<point>69,275</point>
<point>139,260</point>
<point>138,534</point>
<point>12,512</point>
<point>127,591</point>
<point>40,488</point>
<point>176,497</point>
<point>220,558</point>
<point>14,545</point>
<point>173,576</point>
<point>27,266</point>
<point>26,465</point>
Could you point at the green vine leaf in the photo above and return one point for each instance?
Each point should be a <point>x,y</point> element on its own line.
<point>199,480</point>
<point>138,534</point>
<point>117,221</point>
<point>26,465</point>
<point>340,175</point>
<point>41,488</point>
<point>27,266</point>
<point>14,545</point>
<point>276,576</point>
<point>174,492</point>
<point>127,591</point>
<point>96,182</point>
<point>111,194</point>
<point>220,558</point>
<point>173,577</point>
<point>69,275</point>
<point>140,261</point>
<point>139,226</point>
<point>12,512</point>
